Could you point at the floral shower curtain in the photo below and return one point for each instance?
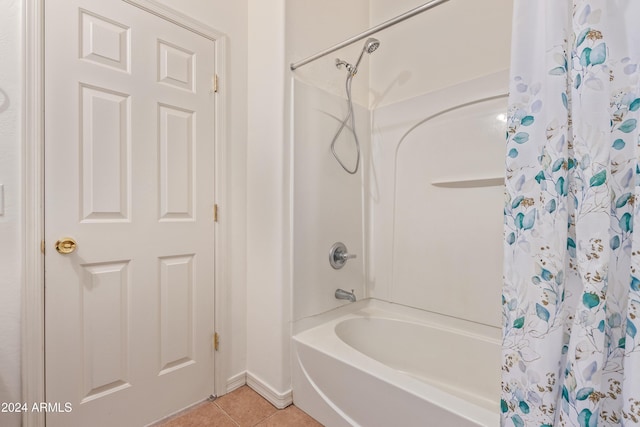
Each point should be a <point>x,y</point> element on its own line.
<point>571,299</point>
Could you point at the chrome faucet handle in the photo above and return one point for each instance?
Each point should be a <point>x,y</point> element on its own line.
<point>338,255</point>
<point>345,256</point>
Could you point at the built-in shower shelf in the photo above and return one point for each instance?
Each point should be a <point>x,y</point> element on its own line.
<point>470,183</point>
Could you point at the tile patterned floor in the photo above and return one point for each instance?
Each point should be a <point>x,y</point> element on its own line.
<point>242,407</point>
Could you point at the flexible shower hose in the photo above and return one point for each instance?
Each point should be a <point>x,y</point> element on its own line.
<point>351,118</point>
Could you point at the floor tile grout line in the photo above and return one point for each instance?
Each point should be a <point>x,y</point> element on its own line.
<point>252,425</point>
<point>270,416</point>
<point>227,414</point>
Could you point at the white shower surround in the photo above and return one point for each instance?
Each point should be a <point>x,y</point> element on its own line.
<point>436,198</point>
<point>327,202</point>
<point>410,190</point>
<point>416,234</point>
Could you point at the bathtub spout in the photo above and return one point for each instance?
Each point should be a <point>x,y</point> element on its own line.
<point>342,294</point>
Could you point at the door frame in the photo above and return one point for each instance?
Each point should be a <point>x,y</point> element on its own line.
<point>32,325</point>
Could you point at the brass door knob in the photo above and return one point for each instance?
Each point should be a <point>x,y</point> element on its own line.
<point>66,245</point>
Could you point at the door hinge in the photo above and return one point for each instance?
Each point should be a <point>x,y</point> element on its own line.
<point>215,83</point>
<point>42,246</point>
<point>216,341</point>
<point>215,212</point>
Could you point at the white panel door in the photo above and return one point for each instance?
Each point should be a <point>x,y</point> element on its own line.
<point>129,175</point>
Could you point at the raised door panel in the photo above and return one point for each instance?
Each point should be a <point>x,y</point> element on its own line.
<point>105,146</point>
<point>176,66</point>
<point>177,151</point>
<point>105,324</point>
<point>176,312</point>
<point>104,41</point>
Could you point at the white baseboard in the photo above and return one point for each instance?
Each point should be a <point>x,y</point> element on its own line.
<point>236,381</point>
<point>279,400</point>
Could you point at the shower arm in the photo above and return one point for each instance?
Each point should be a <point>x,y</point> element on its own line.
<point>369,32</point>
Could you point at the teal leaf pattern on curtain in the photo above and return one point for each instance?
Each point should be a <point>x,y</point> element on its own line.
<point>571,295</point>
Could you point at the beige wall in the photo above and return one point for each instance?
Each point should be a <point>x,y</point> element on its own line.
<point>11,219</point>
<point>267,292</point>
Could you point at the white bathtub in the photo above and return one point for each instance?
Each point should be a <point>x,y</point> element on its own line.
<point>375,364</point>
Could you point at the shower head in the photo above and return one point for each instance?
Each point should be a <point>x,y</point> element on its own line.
<point>369,46</point>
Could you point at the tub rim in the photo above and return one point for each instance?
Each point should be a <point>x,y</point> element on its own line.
<point>322,338</point>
